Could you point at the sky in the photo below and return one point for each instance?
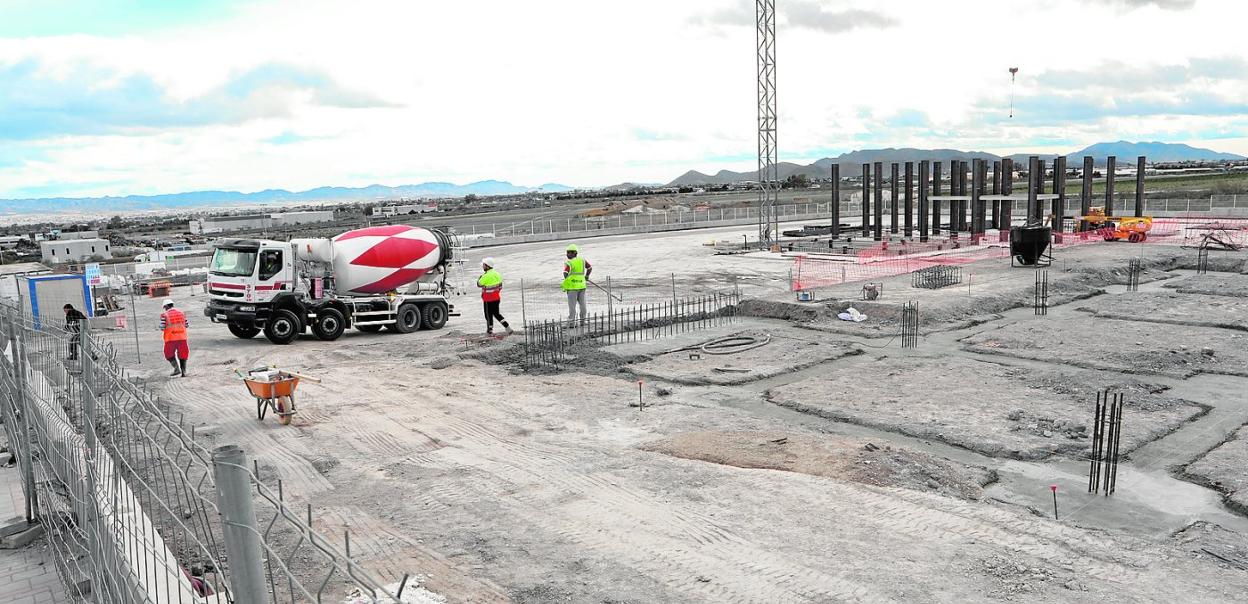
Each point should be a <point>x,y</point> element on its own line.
<point>118,97</point>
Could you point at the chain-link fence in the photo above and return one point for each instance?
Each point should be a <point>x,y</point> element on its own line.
<point>135,506</point>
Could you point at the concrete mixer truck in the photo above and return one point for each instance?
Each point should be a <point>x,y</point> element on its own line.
<point>385,276</point>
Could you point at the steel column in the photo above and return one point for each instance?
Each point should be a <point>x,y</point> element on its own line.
<point>1059,187</point>
<point>866,199</point>
<point>996,190</point>
<point>878,214</point>
<point>1007,188</point>
<point>1139,186</point>
<point>1111,164</point>
<point>935,193</point>
<point>923,179</point>
<point>977,189</point>
<point>894,178</point>
<point>909,184</point>
<point>836,201</point>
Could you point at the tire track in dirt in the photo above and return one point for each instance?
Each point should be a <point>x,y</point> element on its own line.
<point>257,439</point>
<point>389,554</point>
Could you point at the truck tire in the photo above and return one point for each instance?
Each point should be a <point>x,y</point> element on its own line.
<point>243,331</point>
<point>283,327</point>
<point>369,328</point>
<point>407,319</point>
<point>329,324</point>
<point>434,315</point>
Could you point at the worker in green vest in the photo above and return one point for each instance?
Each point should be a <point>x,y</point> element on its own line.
<point>575,275</point>
<point>491,284</point>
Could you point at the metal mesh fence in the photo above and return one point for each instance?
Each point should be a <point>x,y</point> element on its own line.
<point>136,508</point>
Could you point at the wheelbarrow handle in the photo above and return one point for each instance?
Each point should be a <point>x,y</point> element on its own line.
<point>301,376</point>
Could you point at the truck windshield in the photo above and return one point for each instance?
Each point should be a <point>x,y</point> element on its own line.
<point>232,262</point>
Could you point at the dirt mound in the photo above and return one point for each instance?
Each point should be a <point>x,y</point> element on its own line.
<point>831,457</point>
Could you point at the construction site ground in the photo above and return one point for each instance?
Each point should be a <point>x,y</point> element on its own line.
<point>827,465</point>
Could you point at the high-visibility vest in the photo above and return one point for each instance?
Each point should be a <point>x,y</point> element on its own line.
<point>491,284</point>
<point>175,325</point>
<point>576,275</point>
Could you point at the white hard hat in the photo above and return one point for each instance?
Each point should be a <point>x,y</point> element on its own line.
<point>167,302</point>
<point>488,261</point>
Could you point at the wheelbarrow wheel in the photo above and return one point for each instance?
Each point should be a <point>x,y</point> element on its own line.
<point>285,410</point>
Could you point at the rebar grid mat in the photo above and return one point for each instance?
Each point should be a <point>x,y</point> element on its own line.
<point>1106,436</point>
<point>128,496</point>
<point>546,343</point>
<point>910,325</point>
<point>936,277</point>
<point>1041,303</point>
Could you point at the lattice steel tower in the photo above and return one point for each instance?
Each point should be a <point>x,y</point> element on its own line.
<point>768,176</point>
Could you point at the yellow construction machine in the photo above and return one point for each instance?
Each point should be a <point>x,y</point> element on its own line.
<point>1116,228</point>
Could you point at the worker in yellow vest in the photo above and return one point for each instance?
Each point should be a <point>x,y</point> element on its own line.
<point>575,275</point>
<point>491,284</point>
<point>173,326</point>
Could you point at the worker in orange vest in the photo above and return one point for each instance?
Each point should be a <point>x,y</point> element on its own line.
<point>173,324</point>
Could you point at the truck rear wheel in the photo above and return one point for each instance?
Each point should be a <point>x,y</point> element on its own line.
<point>407,319</point>
<point>283,327</point>
<point>329,324</point>
<point>434,315</point>
<point>243,331</point>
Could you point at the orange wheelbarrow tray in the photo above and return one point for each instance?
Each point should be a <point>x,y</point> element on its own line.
<point>276,393</point>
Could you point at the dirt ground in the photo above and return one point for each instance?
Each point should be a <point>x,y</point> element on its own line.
<point>1126,346</point>
<point>1213,284</point>
<point>1192,309</point>
<point>831,457</point>
<point>498,484</point>
<point>1004,411</point>
<point>783,350</point>
<point>1225,468</point>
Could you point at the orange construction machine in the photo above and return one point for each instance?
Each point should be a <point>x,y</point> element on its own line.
<point>1116,228</point>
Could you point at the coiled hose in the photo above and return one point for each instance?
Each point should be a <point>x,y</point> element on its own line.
<point>727,345</point>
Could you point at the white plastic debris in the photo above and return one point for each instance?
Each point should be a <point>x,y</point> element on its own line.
<point>412,594</point>
<point>852,314</point>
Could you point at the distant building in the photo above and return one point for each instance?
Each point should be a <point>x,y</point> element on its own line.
<point>74,250</point>
<point>257,222</point>
<point>403,210</point>
<point>307,217</point>
<point>66,235</point>
<point>9,242</point>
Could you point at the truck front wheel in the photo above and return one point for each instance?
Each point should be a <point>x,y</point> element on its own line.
<point>283,327</point>
<point>329,324</point>
<point>243,331</point>
<point>407,319</point>
<point>434,314</point>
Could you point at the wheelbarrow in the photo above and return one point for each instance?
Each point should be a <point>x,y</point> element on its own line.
<point>274,390</point>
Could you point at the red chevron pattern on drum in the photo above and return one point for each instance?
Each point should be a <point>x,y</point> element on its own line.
<point>377,260</point>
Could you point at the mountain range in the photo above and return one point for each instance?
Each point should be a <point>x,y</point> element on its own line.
<point>851,163</point>
<point>207,199</point>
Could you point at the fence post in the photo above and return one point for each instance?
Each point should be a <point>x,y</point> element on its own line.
<point>134,320</point>
<point>610,297</point>
<point>673,289</point>
<point>26,465</point>
<point>86,354</point>
<point>238,524</point>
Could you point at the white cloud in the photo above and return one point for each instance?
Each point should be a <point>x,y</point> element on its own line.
<point>591,93</point>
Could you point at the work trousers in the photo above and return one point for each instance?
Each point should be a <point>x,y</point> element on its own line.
<point>75,341</point>
<point>577,297</point>
<point>491,313</point>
